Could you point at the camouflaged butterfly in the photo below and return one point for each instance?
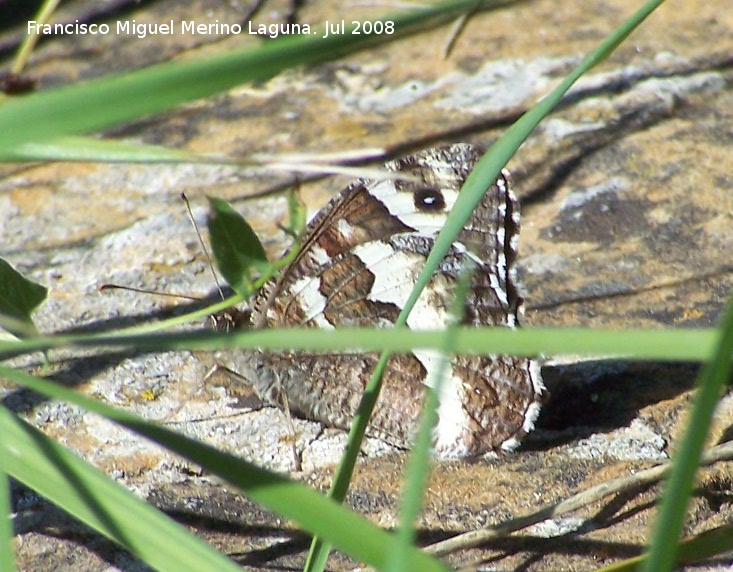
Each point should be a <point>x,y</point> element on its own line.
<point>360,258</point>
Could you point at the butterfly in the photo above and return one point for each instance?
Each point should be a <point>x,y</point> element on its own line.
<point>360,257</point>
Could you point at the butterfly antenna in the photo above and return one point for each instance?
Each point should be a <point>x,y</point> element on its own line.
<point>104,287</point>
<point>184,198</point>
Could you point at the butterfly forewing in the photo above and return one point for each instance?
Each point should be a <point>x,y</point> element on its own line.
<point>361,256</point>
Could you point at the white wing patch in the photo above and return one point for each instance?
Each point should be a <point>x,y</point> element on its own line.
<point>401,204</point>
<point>305,291</point>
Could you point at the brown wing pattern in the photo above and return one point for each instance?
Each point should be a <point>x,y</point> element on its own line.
<point>361,256</point>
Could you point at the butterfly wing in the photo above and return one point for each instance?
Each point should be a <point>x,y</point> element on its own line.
<point>360,259</point>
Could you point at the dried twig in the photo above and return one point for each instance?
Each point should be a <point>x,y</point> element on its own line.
<point>475,538</point>
<point>457,28</point>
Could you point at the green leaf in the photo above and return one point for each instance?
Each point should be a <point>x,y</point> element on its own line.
<point>237,250</point>
<point>18,298</point>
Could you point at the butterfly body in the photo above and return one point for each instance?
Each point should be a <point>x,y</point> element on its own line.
<point>360,258</point>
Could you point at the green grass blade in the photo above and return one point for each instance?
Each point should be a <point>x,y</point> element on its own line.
<point>107,101</point>
<point>710,543</point>
<point>88,494</point>
<point>29,42</point>
<point>471,193</point>
<point>713,378</point>
<point>87,149</point>
<point>7,560</point>
<point>488,168</point>
<point>319,548</point>
<point>418,467</point>
<point>317,554</point>
<point>671,345</point>
<point>310,510</point>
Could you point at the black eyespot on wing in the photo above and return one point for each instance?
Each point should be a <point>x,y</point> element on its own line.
<point>429,200</point>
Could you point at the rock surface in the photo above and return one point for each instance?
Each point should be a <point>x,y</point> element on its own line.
<point>626,194</point>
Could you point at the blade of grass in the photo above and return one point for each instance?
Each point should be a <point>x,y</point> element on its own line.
<point>320,547</point>
<point>713,378</point>
<point>706,545</point>
<point>92,497</point>
<point>26,48</point>
<point>79,148</point>
<point>669,345</point>
<point>88,149</point>
<point>485,173</point>
<point>7,561</point>
<point>115,99</point>
<point>489,167</point>
<point>419,464</point>
<point>294,501</point>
